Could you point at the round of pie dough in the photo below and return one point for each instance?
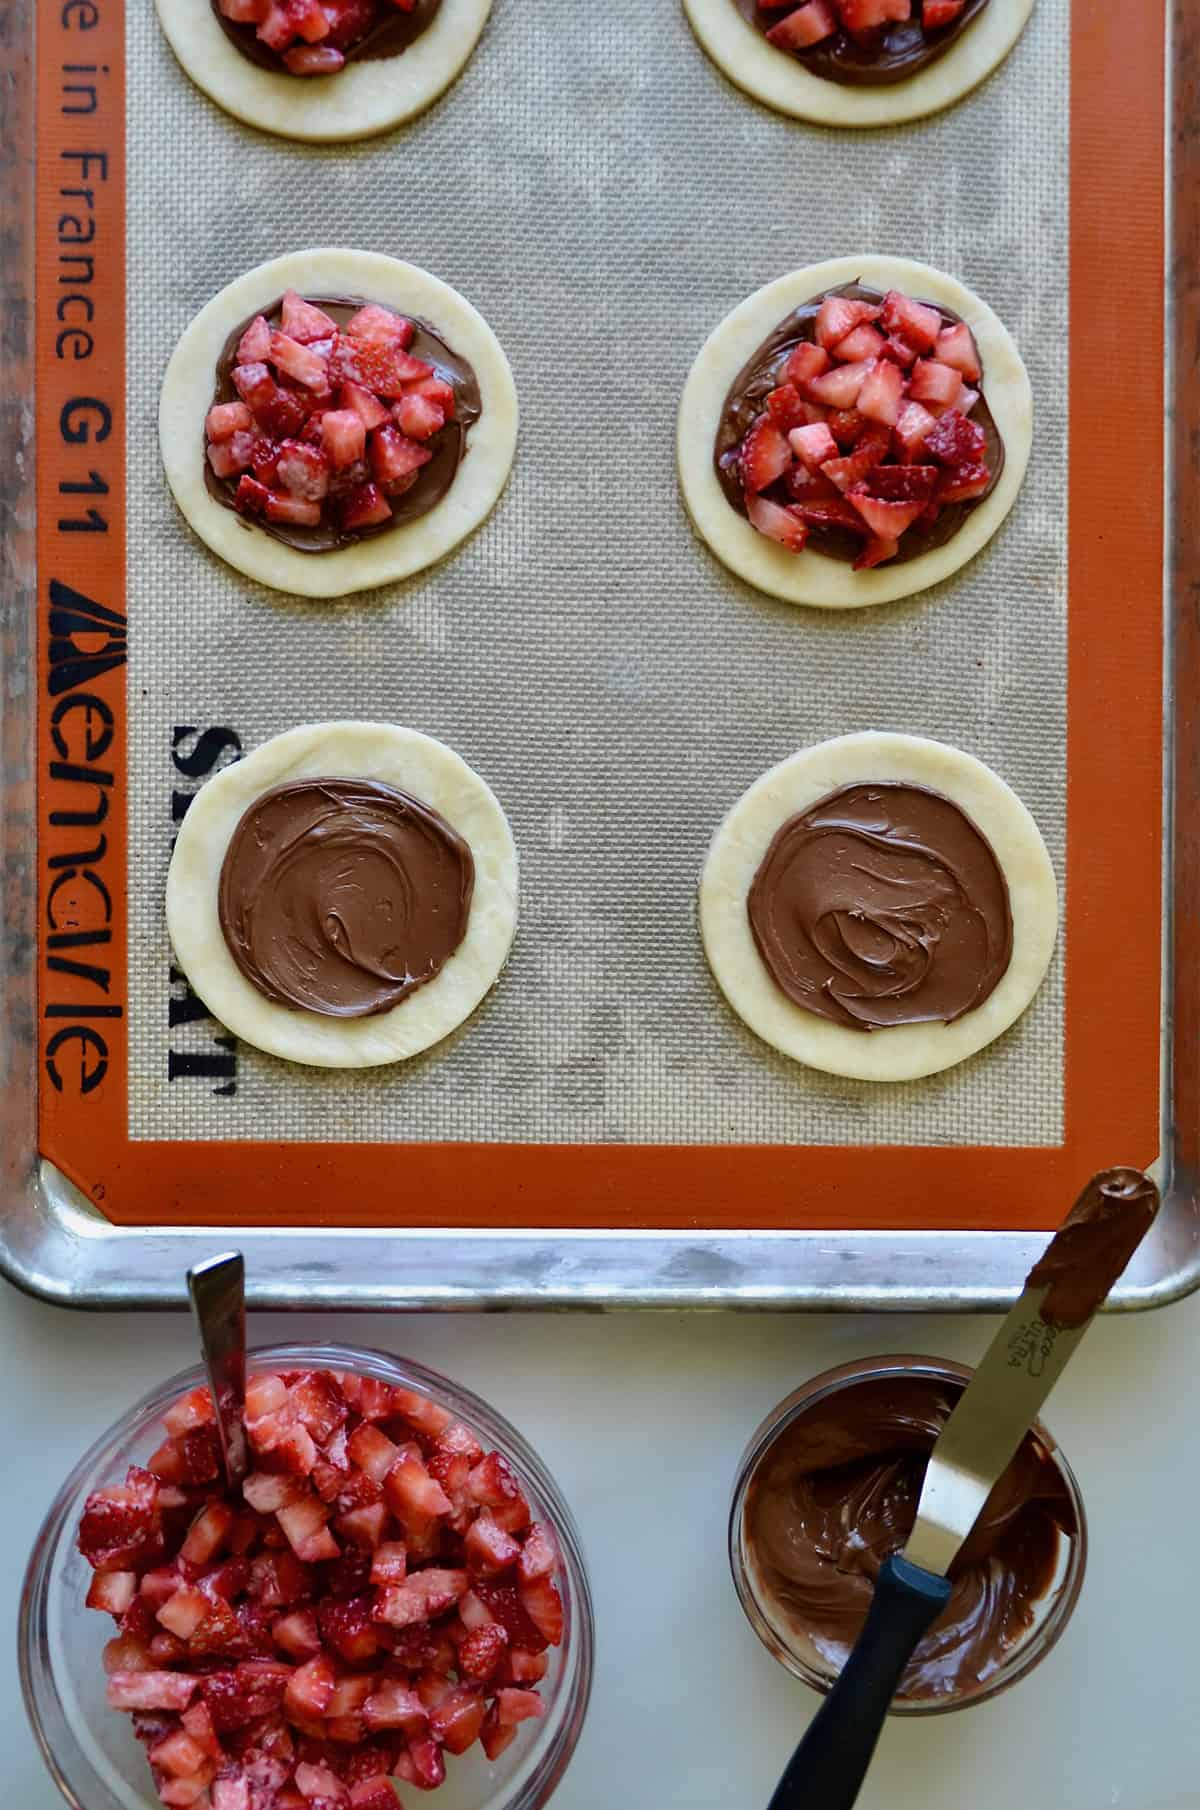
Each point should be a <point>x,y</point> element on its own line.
<point>899,1052</point>
<point>361,99</point>
<point>413,763</point>
<point>813,578</point>
<point>187,394</point>
<point>742,53</point>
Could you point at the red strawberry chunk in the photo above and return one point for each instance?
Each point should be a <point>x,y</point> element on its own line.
<point>457,1722</point>
<point>875,552</point>
<point>372,413</point>
<point>899,351</point>
<point>436,389</point>
<point>786,406</point>
<point>963,484</point>
<point>372,1451</point>
<point>489,1550</point>
<point>809,24</point>
<point>481,1652</point>
<point>505,1606</point>
<point>410,1492</point>
<point>955,441</point>
<point>849,471</point>
<point>275,31</point>
<point>151,1690</point>
<point>302,363</point>
<point>364,1526</point>
<point>813,445</point>
<point>128,1653</point>
<point>839,388</point>
<point>496,1736</point>
<point>421,1596</point>
<point>394,1705</point>
<point>543,1605</point>
<point>208,1533</point>
<point>310,1690</point>
<point>428,1766</point>
<point>243,12</point>
<point>395,461</point>
<point>381,326</point>
<point>253,348</point>
<point>298,1634</point>
<point>390,1563</point>
<point>765,455</point>
<point>804,362</point>
<point>283,507</point>
<point>315,1397</point>
<point>372,1794</point>
<point>178,1754</point>
<point>913,424</point>
<point>903,483</point>
<point>380,366</point>
<point>221,423</point>
<point>777,523</point>
<point>539,1556</point>
<point>343,436</point>
<point>112,1591</point>
<point>524,1668</point>
<point>365,507</point>
<point>304,472</point>
<point>934,382</point>
<point>514,1706</point>
<point>302,320</point>
<point>313,59</point>
<point>838,316</point>
<point>865,342</point>
<point>121,1525</point>
<point>417,416</point>
<point>879,398</point>
<point>887,521</point>
<point>198,1723</point>
<point>346,1626</point>
<point>956,347</point>
<point>936,13</point>
<point>227,458</point>
<point>911,321</point>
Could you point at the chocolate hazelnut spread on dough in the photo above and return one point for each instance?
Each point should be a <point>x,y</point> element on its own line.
<point>837,1493</point>
<point>747,398</point>
<point>1093,1245</point>
<point>901,48</point>
<point>432,481</point>
<point>392,33</point>
<point>882,905</point>
<point>342,896</point>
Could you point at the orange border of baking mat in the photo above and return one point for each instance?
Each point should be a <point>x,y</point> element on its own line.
<point>1115,652</point>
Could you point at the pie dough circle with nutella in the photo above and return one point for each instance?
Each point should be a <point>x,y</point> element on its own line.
<point>364,98</point>
<point>187,394</point>
<point>896,1052</point>
<point>774,76</point>
<point>809,577</point>
<point>407,762</point>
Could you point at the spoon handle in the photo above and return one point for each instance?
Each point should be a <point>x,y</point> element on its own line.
<point>827,1769</point>
<point>218,1291</point>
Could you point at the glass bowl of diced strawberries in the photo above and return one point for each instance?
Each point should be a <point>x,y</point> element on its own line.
<point>393,1602</point>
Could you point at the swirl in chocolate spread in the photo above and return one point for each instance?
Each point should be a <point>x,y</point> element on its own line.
<point>746,400</point>
<point>433,480</point>
<point>882,905</point>
<point>1093,1245</point>
<point>342,896</point>
<point>899,50</point>
<point>391,33</point>
<point>837,1493</point>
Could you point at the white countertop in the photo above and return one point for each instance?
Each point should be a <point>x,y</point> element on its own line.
<point>642,1420</point>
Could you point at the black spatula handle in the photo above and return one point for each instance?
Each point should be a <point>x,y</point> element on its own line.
<point>827,1769</point>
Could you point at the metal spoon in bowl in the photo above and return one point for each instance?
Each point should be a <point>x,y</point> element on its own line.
<point>218,1291</point>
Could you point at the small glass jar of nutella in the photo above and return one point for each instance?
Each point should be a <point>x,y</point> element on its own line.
<point>828,1487</point>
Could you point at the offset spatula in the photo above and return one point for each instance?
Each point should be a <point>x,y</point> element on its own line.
<point>974,1449</point>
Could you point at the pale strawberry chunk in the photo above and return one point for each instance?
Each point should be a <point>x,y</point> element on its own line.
<point>126,1653</point>
<point>227,458</point>
<point>394,459</point>
<point>865,342</point>
<point>489,1550</point>
<point>209,1533</point>
<point>253,347</point>
<point>112,1591</point>
<point>912,321</point>
<point>275,31</point>
<point>196,1408</point>
<point>934,382</point>
<point>778,524</point>
<point>804,362</point>
<point>309,1690</point>
<point>364,1526</point>
<point>267,1492</point>
<point>298,1634</point>
<point>232,1794</point>
<point>313,59</point>
<point>394,1705</point>
<point>838,316</point>
<point>343,436</point>
<point>151,1690</point>
<point>372,1451</point>
<point>886,520</point>
<point>390,1563</point>
<point>437,390</point>
<point>525,1668</point>
<point>539,1555</point>
<point>813,445</point>
<point>302,320</point>
<point>281,506</point>
<point>223,421</point>
<point>913,423</point>
<point>303,1523</point>
<point>424,1594</point>
<point>265,1394</point>
<point>543,1605</point>
<point>839,388</point>
<point>381,325</point>
<point>178,1754</point>
<point>809,24</point>
<point>302,363</point>
<point>372,413</point>
<point>411,1492</point>
<point>765,455</point>
<point>417,416</point>
<point>319,1782</point>
<point>186,1794</point>
<point>513,1706</point>
<point>879,398</point>
<point>303,471</point>
<point>457,1721</point>
<point>184,1611</point>
<point>956,347</point>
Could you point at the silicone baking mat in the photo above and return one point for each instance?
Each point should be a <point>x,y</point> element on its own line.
<point>604,196</point>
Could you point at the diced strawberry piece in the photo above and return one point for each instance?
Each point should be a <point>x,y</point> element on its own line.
<point>513,1707</point>
<point>505,1606</point>
<point>423,1537</point>
<point>319,1782</point>
<point>899,351</point>
<point>112,1591</point>
<point>804,362</point>
<point>481,1652</point>
<point>264,460</point>
<point>365,507</point>
<point>185,1794</point>
<point>381,366</point>
<point>428,1766</point>
<point>243,12</point>
<point>955,441</point>
<point>390,1564</point>
<point>343,436</point>
<point>346,1626</point>
<point>283,507</point>
<point>785,406</point>
<point>370,411</point>
<point>315,1398</point>
<point>372,1451</point>
<point>178,1754</point>
<point>543,1605</point>
<point>830,512</point>
<point>964,483</point>
<point>903,483</point>
<point>167,1650</point>
<point>839,388</point>
<point>151,1690</point>
<point>456,1723</point>
<point>936,13</point>
<point>198,1723</point>
<point>299,362</point>
<point>395,459</point>
<point>183,1612</point>
<point>393,1705</point>
<point>417,416</point>
<point>879,398</point>
<point>221,422</point>
<point>128,1653</point>
<point>845,425</point>
<point>349,20</point>
<point>813,445</point>
<point>380,326</point>
<point>364,1526</point>
<point>310,1689</point>
<point>911,321</point>
<point>298,1634</point>
<point>489,1550</point>
<point>838,315</point>
<point>777,523</point>
<point>231,1794</point>
<point>913,423</point>
<point>865,342</point>
<point>266,1394</point>
<point>875,552</point>
<point>496,1736</point>
<point>313,59</point>
<point>304,321</point>
<point>268,1493</point>
<point>451,1470</point>
<point>121,1526</point>
<point>304,1521</point>
<point>539,1556</point>
<point>765,455</point>
<point>423,1595</point>
<point>887,521</point>
<point>409,1490</point>
<point>373,1794</point>
<point>436,389</point>
<point>521,1667</point>
<point>208,1533</point>
<point>310,23</point>
<point>934,382</point>
<point>956,347</point>
<point>303,472</point>
<point>227,458</point>
<point>967,399</point>
<point>275,30</point>
<point>809,24</point>
<point>159,1585</point>
<point>253,348</point>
